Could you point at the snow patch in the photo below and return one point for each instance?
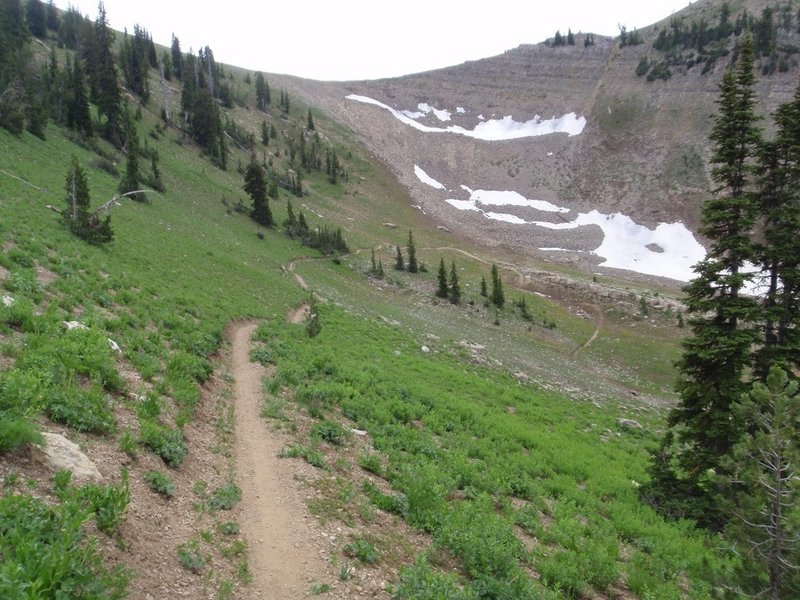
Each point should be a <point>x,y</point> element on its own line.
<point>460,110</point>
<point>514,219</point>
<point>625,242</point>
<point>463,204</point>
<point>510,198</point>
<point>492,130</point>
<point>427,179</point>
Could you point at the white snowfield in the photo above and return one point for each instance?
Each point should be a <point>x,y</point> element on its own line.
<point>488,130</point>
<point>670,250</point>
<point>427,179</point>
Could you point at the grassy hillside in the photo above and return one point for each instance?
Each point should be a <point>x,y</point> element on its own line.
<point>521,486</point>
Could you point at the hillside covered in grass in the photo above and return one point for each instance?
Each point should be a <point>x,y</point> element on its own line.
<point>463,449</point>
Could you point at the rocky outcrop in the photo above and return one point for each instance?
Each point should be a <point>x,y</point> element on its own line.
<point>59,453</point>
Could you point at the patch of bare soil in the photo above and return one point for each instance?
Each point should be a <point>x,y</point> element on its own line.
<point>297,518</point>
<point>298,315</point>
<point>156,526</point>
<point>45,276</point>
<point>284,558</point>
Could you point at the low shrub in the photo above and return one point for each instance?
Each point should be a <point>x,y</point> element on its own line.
<point>160,483</point>
<point>164,442</point>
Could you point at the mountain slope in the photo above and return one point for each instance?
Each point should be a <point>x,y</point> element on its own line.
<point>642,153</point>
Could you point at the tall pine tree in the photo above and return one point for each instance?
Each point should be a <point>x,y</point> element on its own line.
<point>103,78</point>
<point>256,186</point>
<point>779,252</point>
<point>717,356</point>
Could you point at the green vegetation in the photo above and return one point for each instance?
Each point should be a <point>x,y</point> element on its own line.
<point>160,483</point>
<point>505,477</point>
<point>684,44</point>
<point>556,477</point>
<point>716,451</point>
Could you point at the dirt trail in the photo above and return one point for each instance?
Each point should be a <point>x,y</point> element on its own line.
<point>283,558</point>
<point>504,265</point>
<point>299,314</point>
<point>597,328</point>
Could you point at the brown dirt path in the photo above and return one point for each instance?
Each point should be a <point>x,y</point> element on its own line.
<point>597,328</point>
<point>283,556</point>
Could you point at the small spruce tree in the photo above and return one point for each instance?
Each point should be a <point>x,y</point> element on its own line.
<point>498,297</point>
<point>455,290</point>
<point>413,266</point>
<point>442,291</point>
<point>313,323</point>
<point>256,187</point>
<point>484,291</point>
<point>399,263</point>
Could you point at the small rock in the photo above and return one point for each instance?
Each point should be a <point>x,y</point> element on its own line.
<point>359,432</point>
<point>397,353</point>
<point>59,453</point>
<point>7,300</point>
<point>70,325</point>
<point>629,424</point>
<point>425,349</point>
<point>114,346</point>
<point>390,225</point>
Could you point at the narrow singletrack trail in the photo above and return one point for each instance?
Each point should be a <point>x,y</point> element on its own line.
<point>598,327</point>
<point>282,557</point>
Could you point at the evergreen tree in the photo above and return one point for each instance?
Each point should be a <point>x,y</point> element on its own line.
<point>310,122</point>
<point>413,266</point>
<point>177,58</point>
<point>399,263</point>
<point>313,323</point>
<point>77,199</point>
<point>558,40</point>
<point>262,92</point>
<point>498,296</point>
<point>373,264</point>
<point>766,510</point>
<point>130,181</point>
<point>256,187</point>
<point>484,290</point>
<point>103,79</point>
<point>442,291</point>
<point>52,19</point>
<point>81,222</point>
<point>15,56</point>
<point>779,253</point>
<point>37,18</point>
<point>264,133</point>
<point>454,293</point>
<point>717,356</point>
<point>570,37</point>
<point>380,269</point>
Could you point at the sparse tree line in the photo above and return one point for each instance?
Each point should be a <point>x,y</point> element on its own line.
<point>729,457</point>
<point>684,45</point>
<point>569,40</point>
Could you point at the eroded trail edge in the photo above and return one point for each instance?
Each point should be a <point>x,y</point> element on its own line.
<point>282,556</point>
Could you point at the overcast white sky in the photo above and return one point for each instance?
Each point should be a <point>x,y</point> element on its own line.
<point>368,39</point>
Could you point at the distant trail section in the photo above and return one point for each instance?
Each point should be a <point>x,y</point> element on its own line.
<point>598,327</point>
<point>282,556</point>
